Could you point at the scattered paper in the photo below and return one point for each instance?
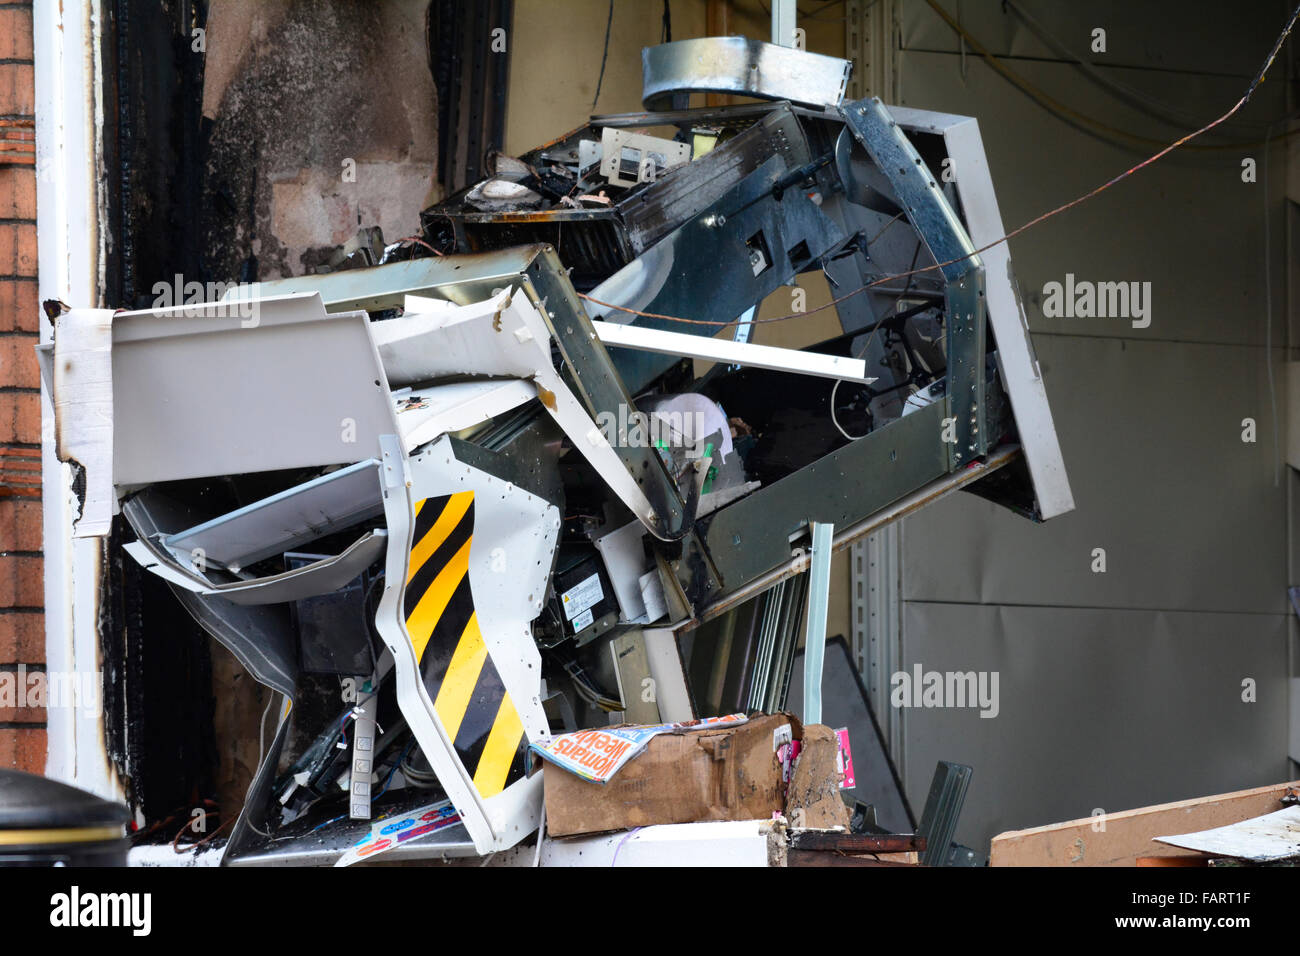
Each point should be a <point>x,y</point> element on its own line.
<point>598,754</point>
<point>394,831</point>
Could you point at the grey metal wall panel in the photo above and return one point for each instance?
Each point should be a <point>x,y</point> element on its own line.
<point>1098,708</point>
<point>1162,35</point>
<point>1119,689</point>
<point>1188,224</point>
<point>1186,511</point>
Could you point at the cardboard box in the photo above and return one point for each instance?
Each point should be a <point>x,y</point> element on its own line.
<point>727,774</point>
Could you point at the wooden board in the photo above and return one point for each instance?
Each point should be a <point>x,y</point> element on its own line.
<point>1128,835</point>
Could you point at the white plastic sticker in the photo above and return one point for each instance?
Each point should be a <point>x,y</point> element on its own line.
<point>582,620</point>
<point>582,596</point>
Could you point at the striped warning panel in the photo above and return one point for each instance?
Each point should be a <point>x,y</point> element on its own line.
<point>458,672</point>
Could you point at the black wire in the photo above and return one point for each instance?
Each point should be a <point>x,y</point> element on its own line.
<point>666,35</point>
<point>604,56</point>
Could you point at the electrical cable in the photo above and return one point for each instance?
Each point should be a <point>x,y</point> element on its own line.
<point>261,729</point>
<point>589,692</point>
<point>867,346</point>
<point>393,769</point>
<point>194,846</point>
<point>418,241</point>
<point>604,56</point>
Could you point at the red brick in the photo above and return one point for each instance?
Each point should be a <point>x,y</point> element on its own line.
<point>18,366</point>
<point>22,581</point>
<point>20,309</point>
<point>23,748</point>
<point>17,94</point>
<point>20,525</point>
<point>18,249</point>
<point>20,715</point>
<point>17,189</point>
<point>16,684</point>
<point>15,34</point>
<point>22,637</point>
<point>20,417</point>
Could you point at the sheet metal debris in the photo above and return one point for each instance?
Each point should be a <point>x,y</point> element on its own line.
<point>468,473</point>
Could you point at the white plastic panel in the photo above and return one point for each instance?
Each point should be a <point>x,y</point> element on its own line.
<point>512,543</point>
<point>711,844</point>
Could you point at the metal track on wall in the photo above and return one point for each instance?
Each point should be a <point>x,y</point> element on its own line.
<point>470,60</point>
<point>875,569</point>
<point>870,41</point>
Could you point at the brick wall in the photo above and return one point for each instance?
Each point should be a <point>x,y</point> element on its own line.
<point>22,623</point>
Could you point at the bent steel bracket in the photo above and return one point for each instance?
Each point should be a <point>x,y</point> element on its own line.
<point>535,270</point>
<point>939,227</point>
<point>754,535</point>
<point>602,390</point>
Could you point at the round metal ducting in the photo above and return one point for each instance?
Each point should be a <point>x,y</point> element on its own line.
<point>741,66</point>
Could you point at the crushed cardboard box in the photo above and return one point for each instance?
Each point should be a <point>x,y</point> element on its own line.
<point>813,799</point>
<point>731,773</point>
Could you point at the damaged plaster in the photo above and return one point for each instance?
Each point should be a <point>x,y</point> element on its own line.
<point>323,120</point>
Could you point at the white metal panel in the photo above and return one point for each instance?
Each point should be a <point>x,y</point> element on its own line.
<point>501,336</point>
<point>1016,359</point>
<point>1273,836</point>
<point>82,378</point>
<point>671,691</point>
<point>706,348</point>
<point>425,413</point>
<point>70,246</point>
<point>319,577</point>
<point>510,560</point>
<point>283,521</point>
<point>212,394</point>
<point>727,843</point>
<point>625,560</point>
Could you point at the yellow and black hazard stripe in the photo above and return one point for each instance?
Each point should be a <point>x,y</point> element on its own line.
<point>458,672</point>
